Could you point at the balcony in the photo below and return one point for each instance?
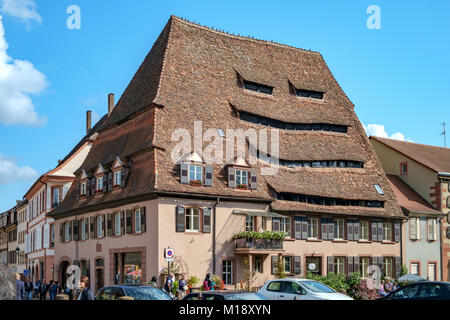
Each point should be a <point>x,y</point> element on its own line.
<point>265,242</point>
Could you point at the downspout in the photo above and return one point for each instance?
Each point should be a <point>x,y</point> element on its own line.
<point>214,235</point>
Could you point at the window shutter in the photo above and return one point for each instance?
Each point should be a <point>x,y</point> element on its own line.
<point>380,231</point>
<point>129,220</point>
<point>274,264</point>
<point>105,183</point>
<point>61,232</point>
<point>330,229</point>
<point>86,235</point>
<point>374,231</point>
<point>356,230</point>
<point>324,225</point>
<point>180,219</point>
<point>75,230</point>
<point>355,264</point>
<point>184,173</point>
<point>88,268</point>
<point>398,267</point>
<point>298,227</point>
<point>109,224</point>
<point>297,264</point>
<point>206,220</point>
<point>60,194</point>
<point>122,222</point>
<point>304,228</point>
<point>70,230</point>
<point>350,265</point>
<point>231,180</point>
<point>330,264</point>
<point>253,179</point>
<point>208,176</point>
<point>124,176</point>
<point>397,231</point>
<point>350,230</point>
<point>110,181</point>
<point>94,228</point>
<point>88,187</point>
<point>104,225</point>
<point>93,186</point>
<point>276,224</point>
<point>143,220</point>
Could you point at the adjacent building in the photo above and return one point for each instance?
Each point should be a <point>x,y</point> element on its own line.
<point>136,193</point>
<point>22,222</point>
<point>421,175</point>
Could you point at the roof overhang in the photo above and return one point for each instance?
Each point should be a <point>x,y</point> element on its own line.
<point>444,174</point>
<point>258,213</point>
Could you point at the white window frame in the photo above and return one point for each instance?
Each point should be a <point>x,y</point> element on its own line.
<point>339,263</point>
<point>137,221</point>
<point>227,272</point>
<point>340,228</point>
<point>66,232</point>
<point>364,263</point>
<point>99,227</point>
<point>417,264</point>
<point>197,170</point>
<point>388,262</point>
<point>192,214</point>
<point>117,224</point>
<point>387,231</point>
<point>55,192</point>
<point>99,183</point>
<point>285,260</point>
<point>313,228</point>
<point>241,175</point>
<point>414,223</point>
<point>83,188</point>
<point>364,230</point>
<point>431,223</point>
<point>249,223</point>
<point>285,225</point>
<point>83,229</point>
<point>118,178</point>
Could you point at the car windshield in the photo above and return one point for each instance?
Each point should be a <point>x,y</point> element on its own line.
<point>146,293</point>
<point>245,296</point>
<point>317,287</point>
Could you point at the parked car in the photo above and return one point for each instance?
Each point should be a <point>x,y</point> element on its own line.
<point>424,290</point>
<point>224,295</point>
<point>299,289</point>
<point>137,292</point>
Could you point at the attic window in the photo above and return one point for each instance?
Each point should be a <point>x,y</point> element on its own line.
<point>221,133</point>
<point>309,94</point>
<point>378,188</point>
<point>257,87</point>
<point>327,201</point>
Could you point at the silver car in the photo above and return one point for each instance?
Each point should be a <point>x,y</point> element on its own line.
<point>299,289</point>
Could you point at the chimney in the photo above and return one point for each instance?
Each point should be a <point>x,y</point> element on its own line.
<point>88,121</point>
<point>110,103</point>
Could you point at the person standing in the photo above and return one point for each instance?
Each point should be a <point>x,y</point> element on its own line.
<point>182,287</point>
<point>381,290</point>
<point>85,293</point>
<point>208,284</point>
<point>37,284</point>
<point>168,286</point>
<point>20,288</point>
<point>43,288</point>
<point>53,291</point>
<point>153,281</point>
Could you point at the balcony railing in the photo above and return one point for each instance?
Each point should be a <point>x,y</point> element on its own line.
<point>259,244</point>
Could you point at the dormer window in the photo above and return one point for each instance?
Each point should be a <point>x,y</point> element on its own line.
<point>99,184</point>
<point>195,174</point>
<point>241,178</point>
<point>257,87</point>
<point>309,94</point>
<point>83,189</point>
<point>118,178</point>
<point>100,177</point>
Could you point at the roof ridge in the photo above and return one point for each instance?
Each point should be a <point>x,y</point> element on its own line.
<point>409,142</point>
<point>239,37</point>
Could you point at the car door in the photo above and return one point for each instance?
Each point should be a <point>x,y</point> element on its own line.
<point>290,290</point>
<point>432,291</point>
<point>116,293</point>
<point>408,292</point>
<point>273,289</point>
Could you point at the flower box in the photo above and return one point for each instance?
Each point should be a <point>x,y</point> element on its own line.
<point>195,183</point>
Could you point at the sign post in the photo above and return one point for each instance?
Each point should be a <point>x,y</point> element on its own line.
<point>168,254</point>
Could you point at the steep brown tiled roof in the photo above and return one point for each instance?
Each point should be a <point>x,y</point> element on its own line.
<point>192,74</point>
<point>435,158</point>
<point>408,198</point>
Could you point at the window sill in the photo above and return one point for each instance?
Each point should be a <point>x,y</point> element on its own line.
<point>364,241</point>
<point>340,240</point>
<point>387,242</point>
<point>313,240</point>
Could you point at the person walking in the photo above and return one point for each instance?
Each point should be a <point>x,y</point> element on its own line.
<point>37,284</point>
<point>168,286</point>
<point>153,281</point>
<point>43,288</point>
<point>20,288</point>
<point>208,284</point>
<point>85,293</point>
<point>182,287</point>
<point>28,289</point>
<point>53,290</point>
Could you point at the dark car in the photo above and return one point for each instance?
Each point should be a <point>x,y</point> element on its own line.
<point>137,292</point>
<point>424,290</point>
<point>224,295</point>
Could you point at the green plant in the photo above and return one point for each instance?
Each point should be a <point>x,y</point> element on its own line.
<point>218,283</point>
<point>266,235</point>
<point>404,271</point>
<point>193,281</point>
<point>279,269</point>
<point>175,287</point>
<point>340,282</point>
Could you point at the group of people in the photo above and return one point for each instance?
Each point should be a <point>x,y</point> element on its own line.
<point>182,289</point>
<point>387,287</point>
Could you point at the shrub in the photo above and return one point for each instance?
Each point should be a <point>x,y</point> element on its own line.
<point>279,269</point>
<point>266,235</point>
<point>347,284</point>
<point>218,283</point>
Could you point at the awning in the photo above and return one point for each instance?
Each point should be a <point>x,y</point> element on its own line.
<point>258,213</point>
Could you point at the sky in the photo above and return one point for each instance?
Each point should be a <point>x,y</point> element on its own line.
<point>397,74</point>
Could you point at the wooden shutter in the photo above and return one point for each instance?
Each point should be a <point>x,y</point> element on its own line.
<point>75,230</point>
<point>324,227</point>
<point>104,225</point>
<point>206,220</point>
<point>184,173</point>
<point>398,267</point>
<point>356,230</point>
<point>109,223</point>
<point>180,219</point>
<point>350,265</point>
<point>70,230</point>
<point>95,227</point>
<point>304,228</point>
<point>380,231</point>
<point>110,181</point>
<point>350,230</point>
<point>355,264</point>
<point>105,183</point>
<point>330,264</point>
<point>397,231</point>
<point>122,222</point>
<point>274,264</point>
<point>276,224</point>
<point>93,185</point>
<point>143,220</point>
<point>88,187</point>
<point>86,235</point>
<point>298,227</point>
<point>374,231</point>
<point>253,179</point>
<point>380,264</point>
<point>330,229</point>
<point>297,264</point>
<point>61,232</point>
<point>208,176</point>
<point>231,180</point>
<point>129,221</point>
<point>124,176</point>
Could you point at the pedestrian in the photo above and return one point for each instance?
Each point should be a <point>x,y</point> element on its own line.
<point>37,284</point>
<point>388,285</point>
<point>208,284</point>
<point>53,290</point>
<point>153,281</point>
<point>381,290</point>
<point>43,288</point>
<point>395,286</point>
<point>182,287</point>
<point>168,286</point>
<point>28,289</point>
<point>85,293</point>
<point>20,288</point>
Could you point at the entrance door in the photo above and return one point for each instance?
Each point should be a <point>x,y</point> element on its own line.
<point>314,265</point>
<point>432,271</point>
<point>99,279</point>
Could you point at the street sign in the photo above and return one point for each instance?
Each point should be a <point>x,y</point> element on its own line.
<point>26,273</point>
<point>168,254</point>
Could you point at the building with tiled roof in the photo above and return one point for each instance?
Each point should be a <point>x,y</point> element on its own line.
<point>138,192</point>
<point>420,177</point>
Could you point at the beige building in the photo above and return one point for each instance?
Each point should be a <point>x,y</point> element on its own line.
<point>21,209</point>
<point>426,170</point>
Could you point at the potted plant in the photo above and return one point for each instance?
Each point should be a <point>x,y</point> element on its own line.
<point>195,183</point>
<point>242,186</point>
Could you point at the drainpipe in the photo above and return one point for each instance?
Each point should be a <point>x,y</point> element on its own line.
<point>214,235</point>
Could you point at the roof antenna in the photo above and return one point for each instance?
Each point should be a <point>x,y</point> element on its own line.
<point>444,133</point>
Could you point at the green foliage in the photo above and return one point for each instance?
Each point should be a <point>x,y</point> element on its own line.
<point>175,287</point>
<point>266,235</point>
<point>338,281</point>
<point>279,269</point>
<point>193,281</point>
<point>404,271</point>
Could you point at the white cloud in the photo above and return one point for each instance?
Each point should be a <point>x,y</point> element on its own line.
<point>25,10</point>
<point>378,130</point>
<point>10,171</point>
<point>18,79</point>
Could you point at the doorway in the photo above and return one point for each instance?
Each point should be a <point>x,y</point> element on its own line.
<point>99,279</point>
<point>63,273</point>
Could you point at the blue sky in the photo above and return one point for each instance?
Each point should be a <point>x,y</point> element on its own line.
<point>397,76</point>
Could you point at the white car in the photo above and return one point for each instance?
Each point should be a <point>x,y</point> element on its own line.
<point>299,289</point>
